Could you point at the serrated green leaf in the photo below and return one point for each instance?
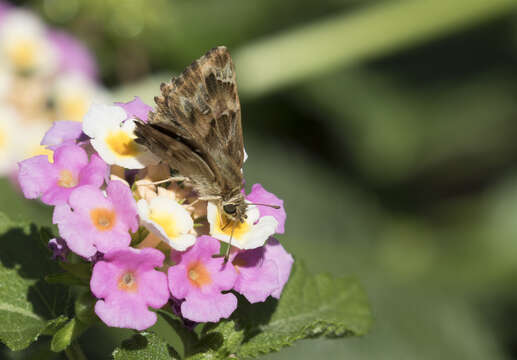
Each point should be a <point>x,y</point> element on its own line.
<point>145,346</point>
<point>27,302</point>
<point>310,306</point>
<point>219,341</point>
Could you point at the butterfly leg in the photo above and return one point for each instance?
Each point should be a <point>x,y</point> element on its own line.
<point>205,198</point>
<point>172,178</point>
<point>209,198</point>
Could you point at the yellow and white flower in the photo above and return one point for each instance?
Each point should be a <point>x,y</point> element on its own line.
<point>114,139</point>
<point>250,234</point>
<point>24,46</point>
<point>73,94</point>
<point>167,219</point>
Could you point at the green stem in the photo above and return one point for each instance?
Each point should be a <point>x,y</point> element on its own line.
<point>313,49</point>
<point>74,352</point>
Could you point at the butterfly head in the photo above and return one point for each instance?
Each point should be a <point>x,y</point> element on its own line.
<point>235,207</point>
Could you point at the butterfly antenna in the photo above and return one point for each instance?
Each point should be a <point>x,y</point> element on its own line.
<point>268,205</point>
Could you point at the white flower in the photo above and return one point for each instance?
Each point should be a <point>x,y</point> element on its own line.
<point>73,94</point>
<point>167,219</point>
<point>24,46</point>
<point>113,138</point>
<point>247,235</point>
<point>19,140</point>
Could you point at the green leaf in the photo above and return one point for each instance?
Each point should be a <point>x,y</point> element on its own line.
<point>188,337</point>
<point>219,341</point>
<point>65,279</point>
<point>68,333</point>
<point>84,308</point>
<point>145,346</point>
<point>310,306</point>
<point>81,270</point>
<point>54,325</point>
<point>27,302</point>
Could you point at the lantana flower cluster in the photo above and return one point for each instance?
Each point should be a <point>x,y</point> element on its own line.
<point>46,75</point>
<point>152,241</point>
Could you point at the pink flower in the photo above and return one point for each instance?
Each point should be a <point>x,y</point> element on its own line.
<point>73,56</point>
<point>259,195</point>
<point>262,271</point>
<point>62,132</point>
<point>128,283</point>
<point>94,222</point>
<point>55,181</point>
<point>199,278</point>
<point>136,109</point>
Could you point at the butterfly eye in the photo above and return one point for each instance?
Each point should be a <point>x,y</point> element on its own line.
<point>229,209</point>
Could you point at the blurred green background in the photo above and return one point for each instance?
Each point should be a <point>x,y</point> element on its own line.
<point>389,128</point>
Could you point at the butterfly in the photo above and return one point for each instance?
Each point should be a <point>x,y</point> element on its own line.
<point>196,129</point>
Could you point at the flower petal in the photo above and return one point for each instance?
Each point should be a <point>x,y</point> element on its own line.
<point>136,109</point>
<point>259,195</point>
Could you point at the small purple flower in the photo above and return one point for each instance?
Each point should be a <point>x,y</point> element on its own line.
<point>262,271</point>
<point>62,132</point>
<point>58,248</point>
<point>55,181</point>
<point>72,55</point>
<point>260,195</point>
<point>94,222</point>
<point>128,284</point>
<point>199,278</point>
<point>136,109</point>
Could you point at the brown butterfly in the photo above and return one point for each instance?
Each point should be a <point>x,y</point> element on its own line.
<point>196,129</point>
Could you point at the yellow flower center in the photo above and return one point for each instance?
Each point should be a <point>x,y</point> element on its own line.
<point>166,221</point>
<point>23,54</point>
<point>198,275</point>
<point>103,219</point>
<point>122,144</point>
<point>67,179</point>
<point>127,282</point>
<point>224,226</point>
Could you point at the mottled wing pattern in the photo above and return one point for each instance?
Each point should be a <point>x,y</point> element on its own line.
<point>178,155</point>
<point>200,111</point>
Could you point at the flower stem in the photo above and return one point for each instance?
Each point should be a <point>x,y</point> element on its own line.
<point>74,352</point>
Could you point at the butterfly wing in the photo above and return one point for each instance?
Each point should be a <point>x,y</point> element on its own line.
<point>200,110</point>
<point>178,155</point>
